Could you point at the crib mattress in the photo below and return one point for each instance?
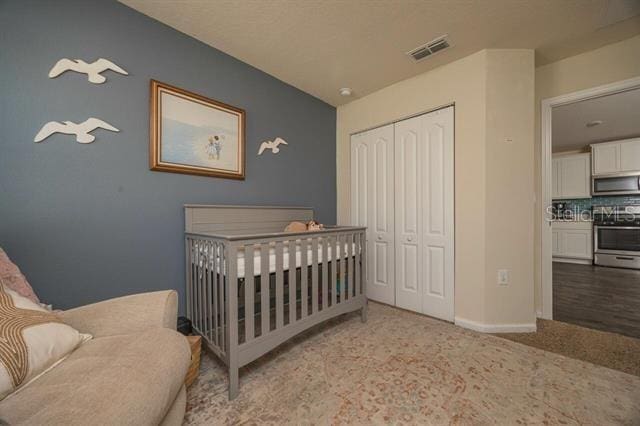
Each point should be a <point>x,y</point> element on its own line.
<point>288,258</point>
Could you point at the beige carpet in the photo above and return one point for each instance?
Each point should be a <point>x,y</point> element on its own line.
<point>610,350</point>
<point>405,368</point>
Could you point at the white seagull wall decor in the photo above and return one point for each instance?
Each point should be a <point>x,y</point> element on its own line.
<point>92,70</point>
<point>81,130</point>
<point>272,145</point>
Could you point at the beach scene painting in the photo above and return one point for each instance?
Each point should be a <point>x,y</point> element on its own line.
<point>196,135</point>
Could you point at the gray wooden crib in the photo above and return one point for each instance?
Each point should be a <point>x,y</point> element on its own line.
<point>250,286</point>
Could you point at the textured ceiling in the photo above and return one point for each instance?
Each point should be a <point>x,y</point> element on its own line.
<point>619,114</point>
<point>320,46</point>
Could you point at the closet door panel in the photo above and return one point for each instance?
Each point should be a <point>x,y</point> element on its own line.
<point>408,219</point>
<point>437,211</point>
<point>359,180</point>
<point>381,277</point>
<point>372,206</point>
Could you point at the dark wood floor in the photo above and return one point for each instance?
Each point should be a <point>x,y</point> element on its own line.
<point>602,298</point>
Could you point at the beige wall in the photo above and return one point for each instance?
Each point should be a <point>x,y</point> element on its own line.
<point>487,238</point>
<point>509,186</point>
<point>611,63</point>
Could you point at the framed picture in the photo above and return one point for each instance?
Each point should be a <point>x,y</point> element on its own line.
<point>195,135</point>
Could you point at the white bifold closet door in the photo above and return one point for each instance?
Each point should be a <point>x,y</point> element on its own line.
<point>402,190</point>
<point>424,214</point>
<point>372,206</point>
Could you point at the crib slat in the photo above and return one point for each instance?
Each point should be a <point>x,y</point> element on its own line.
<point>232,318</point>
<point>304,277</point>
<point>222,277</point>
<point>264,288</point>
<point>279,286</point>
<point>198,282</point>
<point>203,284</point>
<point>335,258</point>
<point>194,285</point>
<point>249,290</point>
<point>214,296</point>
<point>188,275</point>
<point>187,279</point>
<point>314,276</point>
<point>325,272</point>
<point>292,281</point>
<point>363,262</point>
<point>208,302</point>
<point>365,276</point>
<point>343,266</point>
<point>203,300</point>
<point>350,267</point>
<point>358,243</point>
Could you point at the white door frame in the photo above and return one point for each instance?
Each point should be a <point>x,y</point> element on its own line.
<point>546,274</point>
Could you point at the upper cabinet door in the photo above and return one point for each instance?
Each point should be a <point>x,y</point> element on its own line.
<point>606,158</point>
<point>630,155</point>
<point>615,157</point>
<point>575,176</point>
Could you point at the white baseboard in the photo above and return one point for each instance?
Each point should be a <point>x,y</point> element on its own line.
<point>539,313</point>
<point>495,328</point>
<point>570,260</point>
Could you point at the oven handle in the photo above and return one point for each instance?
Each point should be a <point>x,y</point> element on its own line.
<point>615,227</point>
<point>625,258</point>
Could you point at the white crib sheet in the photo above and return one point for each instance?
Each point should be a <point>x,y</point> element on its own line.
<point>257,258</point>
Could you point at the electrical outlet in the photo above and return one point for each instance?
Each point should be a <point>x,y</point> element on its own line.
<point>503,277</point>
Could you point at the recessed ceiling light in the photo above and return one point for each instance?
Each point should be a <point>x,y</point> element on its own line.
<point>345,91</point>
<point>594,123</point>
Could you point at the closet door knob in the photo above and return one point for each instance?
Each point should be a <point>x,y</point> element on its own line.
<point>380,237</point>
<point>409,239</point>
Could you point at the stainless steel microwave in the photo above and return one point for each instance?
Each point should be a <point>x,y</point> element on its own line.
<point>619,184</point>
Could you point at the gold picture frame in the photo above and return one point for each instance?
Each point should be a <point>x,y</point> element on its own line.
<point>192,134</point>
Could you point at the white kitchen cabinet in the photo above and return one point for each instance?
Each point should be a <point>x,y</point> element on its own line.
<point>571,176</point>
<point>606,158</point>
<point>615,157</point>
<point>630,155</point>
<point>555,241</point>
<point>576,243</point>
<point>572,241</point>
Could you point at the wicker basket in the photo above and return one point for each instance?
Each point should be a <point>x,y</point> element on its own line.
<point>194,368</point>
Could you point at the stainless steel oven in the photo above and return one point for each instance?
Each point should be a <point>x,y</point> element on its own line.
<point>616,236</point>
<point>619,184</point>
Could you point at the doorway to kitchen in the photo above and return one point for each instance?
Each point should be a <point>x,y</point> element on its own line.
<point>590,230</point>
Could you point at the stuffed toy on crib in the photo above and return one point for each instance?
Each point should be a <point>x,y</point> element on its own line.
<point>312,225</point>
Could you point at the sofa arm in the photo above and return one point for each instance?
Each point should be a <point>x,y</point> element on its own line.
<point>125,315</point>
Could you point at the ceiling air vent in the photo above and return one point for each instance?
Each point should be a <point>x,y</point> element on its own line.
<point>430,48</point>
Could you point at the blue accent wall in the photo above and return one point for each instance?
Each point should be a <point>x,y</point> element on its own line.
<point>90,222</point>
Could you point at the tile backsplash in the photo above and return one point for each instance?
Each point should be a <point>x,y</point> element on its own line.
<point>583,204</point>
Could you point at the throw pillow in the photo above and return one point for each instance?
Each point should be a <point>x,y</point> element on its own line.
<point>32,340</point>
<point>14,279</point>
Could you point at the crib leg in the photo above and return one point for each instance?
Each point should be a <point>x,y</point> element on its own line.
<point>363,313</point>
<point>233,382</point>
